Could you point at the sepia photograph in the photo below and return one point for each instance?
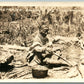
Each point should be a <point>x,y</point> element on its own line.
<point>41,41</point>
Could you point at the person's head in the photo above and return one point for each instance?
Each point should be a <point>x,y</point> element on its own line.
<point>43,30</point>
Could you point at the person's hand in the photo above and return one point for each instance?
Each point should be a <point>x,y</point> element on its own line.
<point>49,44</point>
<point>48,50</point>
<point>43,49</point>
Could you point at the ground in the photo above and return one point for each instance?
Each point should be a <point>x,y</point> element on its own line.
<point>71,52</point>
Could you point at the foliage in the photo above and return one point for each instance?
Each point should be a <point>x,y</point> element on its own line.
<point>18,27</point>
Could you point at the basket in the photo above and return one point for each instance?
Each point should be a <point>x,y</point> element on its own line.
<point>39,72</point>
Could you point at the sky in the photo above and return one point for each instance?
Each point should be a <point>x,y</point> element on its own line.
<point>41,0</point>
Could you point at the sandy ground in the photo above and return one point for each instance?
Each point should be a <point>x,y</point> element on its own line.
<point>73,54</point>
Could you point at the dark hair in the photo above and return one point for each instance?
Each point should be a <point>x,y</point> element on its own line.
<point>44,27</point>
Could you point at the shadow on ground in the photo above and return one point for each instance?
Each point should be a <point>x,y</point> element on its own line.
<point>5,68</point>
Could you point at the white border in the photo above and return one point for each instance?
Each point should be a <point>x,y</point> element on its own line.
<point>58,4</point>
<point>64,4</point>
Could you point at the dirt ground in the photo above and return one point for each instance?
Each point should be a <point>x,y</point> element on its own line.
<point>70,52</point>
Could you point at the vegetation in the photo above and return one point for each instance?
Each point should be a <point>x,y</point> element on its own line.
<point>19,24</point>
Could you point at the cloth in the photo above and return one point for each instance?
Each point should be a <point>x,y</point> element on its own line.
<point>39,44</point>
<point>40,49</point>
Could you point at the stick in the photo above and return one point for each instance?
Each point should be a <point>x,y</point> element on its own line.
<point>63,59</point>
<point>24,74</point>
<point>21,66</point>
<point>79,71</point>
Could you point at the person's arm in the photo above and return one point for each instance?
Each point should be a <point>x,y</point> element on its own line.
<point>39,49</point>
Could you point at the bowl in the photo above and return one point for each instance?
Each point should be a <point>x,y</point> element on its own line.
<point>39,71</point>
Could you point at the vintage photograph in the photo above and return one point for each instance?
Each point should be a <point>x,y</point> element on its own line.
<point>41,42</point>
